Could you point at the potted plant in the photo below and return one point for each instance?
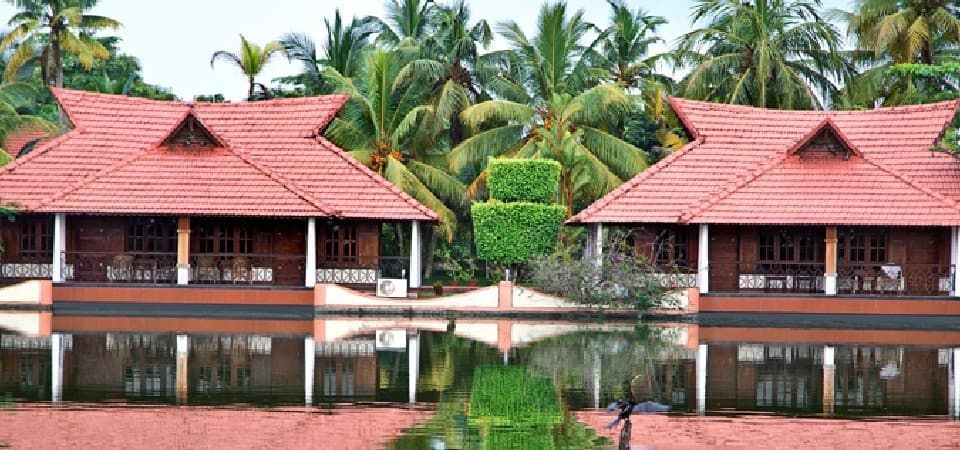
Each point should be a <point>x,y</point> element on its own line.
<point>438,288</point>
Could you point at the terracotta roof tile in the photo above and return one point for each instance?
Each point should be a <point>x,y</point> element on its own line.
<point>742,168</point>
<point>271,163</point>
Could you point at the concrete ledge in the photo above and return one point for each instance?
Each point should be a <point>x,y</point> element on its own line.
<point>822,304</point>
<point>190,294</point>
<point>31,292</point>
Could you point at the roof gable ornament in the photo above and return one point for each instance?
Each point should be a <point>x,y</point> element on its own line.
<point>191,133</point>
<point>824,138</point>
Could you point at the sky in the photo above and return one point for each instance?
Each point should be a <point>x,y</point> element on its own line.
<point>174,39</point>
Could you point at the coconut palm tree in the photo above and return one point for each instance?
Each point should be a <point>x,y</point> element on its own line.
<point>251,60</point>
<point>342,50</point>
<point>626,45</point>
<point>548,93</point>
<point>50,28</point>
<point>379,126</point>
<point>768,53</point>
<point>407,23</point>
<point>890,34</point>
<point>449,67</point>
<point>625,53</point>
<point>904,31</point>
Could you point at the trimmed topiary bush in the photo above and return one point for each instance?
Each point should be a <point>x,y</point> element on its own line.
<point>512,233</point>
<point>523,180</point>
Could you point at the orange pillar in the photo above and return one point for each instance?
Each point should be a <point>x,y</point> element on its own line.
<point>830,258</point>
<point>183,250</point>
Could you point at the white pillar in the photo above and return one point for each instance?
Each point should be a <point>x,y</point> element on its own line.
<point>415,271</point>
<point>309,363</point>
<point>703,259</point>
<point>183,352</point>
<point>596,240</point>
<point>413,363</point>
<point>955,259</point>
<point>311,264</point>
<point>702,379</point>
<point>59,246</point>
<point>56,368</point>
<point>953,365</point>
<point>829,379</point>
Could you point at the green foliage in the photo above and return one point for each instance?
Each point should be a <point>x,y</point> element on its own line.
<point>774,54</point>
<point>523,180</point>
<point>512,233</point>
<point>624,279</point>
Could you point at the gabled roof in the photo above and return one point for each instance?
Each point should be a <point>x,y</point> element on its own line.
<point>264,159</point>
<point>825,126</point>
<point>746,165</point>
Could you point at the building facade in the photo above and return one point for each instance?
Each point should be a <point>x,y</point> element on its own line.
<point>143,191</point>
<point>808,203</point>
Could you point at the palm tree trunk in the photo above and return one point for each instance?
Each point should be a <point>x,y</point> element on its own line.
<point>250,89</point>
<point>57,73</point>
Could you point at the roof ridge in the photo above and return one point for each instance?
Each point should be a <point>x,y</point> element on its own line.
<point>732,186</point>
<point>376,177</point>
<point>92,177</point>
<point>629,184</point>
<point>282,181</point>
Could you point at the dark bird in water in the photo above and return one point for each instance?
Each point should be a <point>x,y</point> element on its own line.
<point>627,408</point>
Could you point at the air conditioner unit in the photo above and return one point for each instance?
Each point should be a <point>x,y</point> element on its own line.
<point>394,340</point>
<point>392,287</point>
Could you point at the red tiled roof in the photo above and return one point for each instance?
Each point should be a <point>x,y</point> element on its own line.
<point>269,161</point>
<point>745,167</point>
<point>18,138</point>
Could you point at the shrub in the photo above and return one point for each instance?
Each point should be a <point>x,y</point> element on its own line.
<point>523,180</point>
<point>624,279</point>
<point>513,233</point>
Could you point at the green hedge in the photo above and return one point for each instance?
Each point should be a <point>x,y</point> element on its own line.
<point>512,233</point>
<point>523,180</point>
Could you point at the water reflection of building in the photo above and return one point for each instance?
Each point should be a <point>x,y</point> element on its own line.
<point>866,379</point>
<point>25,366</point>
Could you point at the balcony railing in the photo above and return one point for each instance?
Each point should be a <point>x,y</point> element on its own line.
<point>161,268</point>
<point>26,268</point>
<point>363,270</point>
<point>674,277</point>
<point>216,268</point>
<point>895,279</point>
<point>133,267</point>
<point>767,276</point>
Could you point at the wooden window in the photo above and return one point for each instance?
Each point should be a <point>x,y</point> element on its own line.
<point>36,237</point>
<point>767,242</point>
<point>204,239</point>
<point>671,247</point>
<point>228,239</point>
<point>790,245</point>
<point>862,246</point>
<point>151,235</point>
<point>340,244</point>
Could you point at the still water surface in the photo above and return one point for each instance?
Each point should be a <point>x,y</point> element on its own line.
<point>465,384</point>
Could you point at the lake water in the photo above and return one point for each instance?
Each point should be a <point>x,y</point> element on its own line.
<point>359,383</point>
